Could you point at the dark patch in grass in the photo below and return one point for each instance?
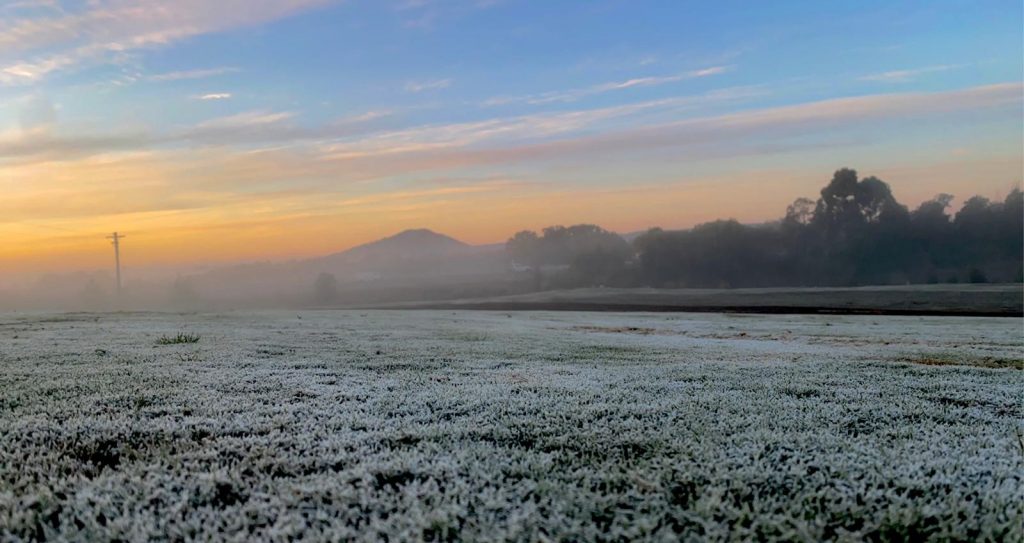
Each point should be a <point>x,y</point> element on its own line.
<point>957,402</point>
<point>801,393</point>
<point>619,330</point>
<point>683,493</point>
<point>227,495</point>
<point>957,360</point>
<point>573,452</point>
<point>394,366</point>
<point>277,470</point>
<point>401,442</point>
<point>269,351</point>
<point>442,531</point>
<point>861,425</point>
<point>224,495</point>
<point>255,389</point>
<point>603,518</point>
<point>922,528</point>
<point>246,433</point>
<point>92,456</point>
<point>11,404</point>
<point>1002,409</point>
<point>178,339</point>
<point>396,479</point>
<point>604,353</point>
<point>102,453</point>
<point>455,414</point>
<point>302,395</point>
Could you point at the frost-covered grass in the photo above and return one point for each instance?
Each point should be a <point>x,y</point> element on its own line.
<point>524,426</point>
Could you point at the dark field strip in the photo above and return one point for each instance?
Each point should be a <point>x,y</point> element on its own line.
<point>920,300</point>
<point>753,309</point>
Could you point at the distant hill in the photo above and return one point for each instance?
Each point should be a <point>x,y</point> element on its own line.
<point>411,265</point>
<point>409,245</point>
<point>420,256</point>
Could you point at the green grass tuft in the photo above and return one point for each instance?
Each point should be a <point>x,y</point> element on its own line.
<point>178,339</point>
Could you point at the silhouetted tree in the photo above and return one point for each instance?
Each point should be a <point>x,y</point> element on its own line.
<point>592,254</point>
<point>524,248</point>
<point>856,233</point>
<point>800,212</point>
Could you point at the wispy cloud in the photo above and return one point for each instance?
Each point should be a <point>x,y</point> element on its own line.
<point>425,14</point>
<point>356,136</point>
<point>214,96</point>
<point>274,127</point>
<point>367,151</point>
<point>27,72</point>
<point>522,128</point>
<point>714,70</point>
<point>740,133</point>
<point>577,94</point>
<point>30,5</point>
<point>191,74</point>
<point>105,30</point>
<point>906,76</point>
<point>247,120</point>
<point>428,85</point>
<point>44,140</point>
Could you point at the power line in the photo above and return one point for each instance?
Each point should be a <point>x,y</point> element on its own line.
<point>116,242</point>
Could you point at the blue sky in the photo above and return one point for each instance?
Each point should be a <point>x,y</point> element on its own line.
<point>338,122</point>
<point>346,58</point>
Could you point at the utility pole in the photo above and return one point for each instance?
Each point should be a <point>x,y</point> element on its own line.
<point>116,242</point>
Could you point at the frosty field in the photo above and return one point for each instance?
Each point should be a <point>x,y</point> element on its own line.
<point>440,425</point>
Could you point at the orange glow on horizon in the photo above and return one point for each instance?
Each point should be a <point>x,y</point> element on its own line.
<point>293,226</point>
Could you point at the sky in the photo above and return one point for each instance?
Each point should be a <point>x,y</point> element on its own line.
<point>252,130</point>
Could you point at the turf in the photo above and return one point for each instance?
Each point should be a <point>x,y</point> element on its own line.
<point>524,426</point>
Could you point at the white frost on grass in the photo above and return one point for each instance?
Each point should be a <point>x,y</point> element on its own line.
<point>521,426</point>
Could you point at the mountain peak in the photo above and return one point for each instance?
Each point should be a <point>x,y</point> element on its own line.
<point>420,234</point>
<point>421,237</point>
<point>411,244</point>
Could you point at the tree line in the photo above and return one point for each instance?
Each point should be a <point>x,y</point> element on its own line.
<point>855,233</point>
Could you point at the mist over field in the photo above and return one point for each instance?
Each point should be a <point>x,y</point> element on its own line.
<point>855,234</point>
